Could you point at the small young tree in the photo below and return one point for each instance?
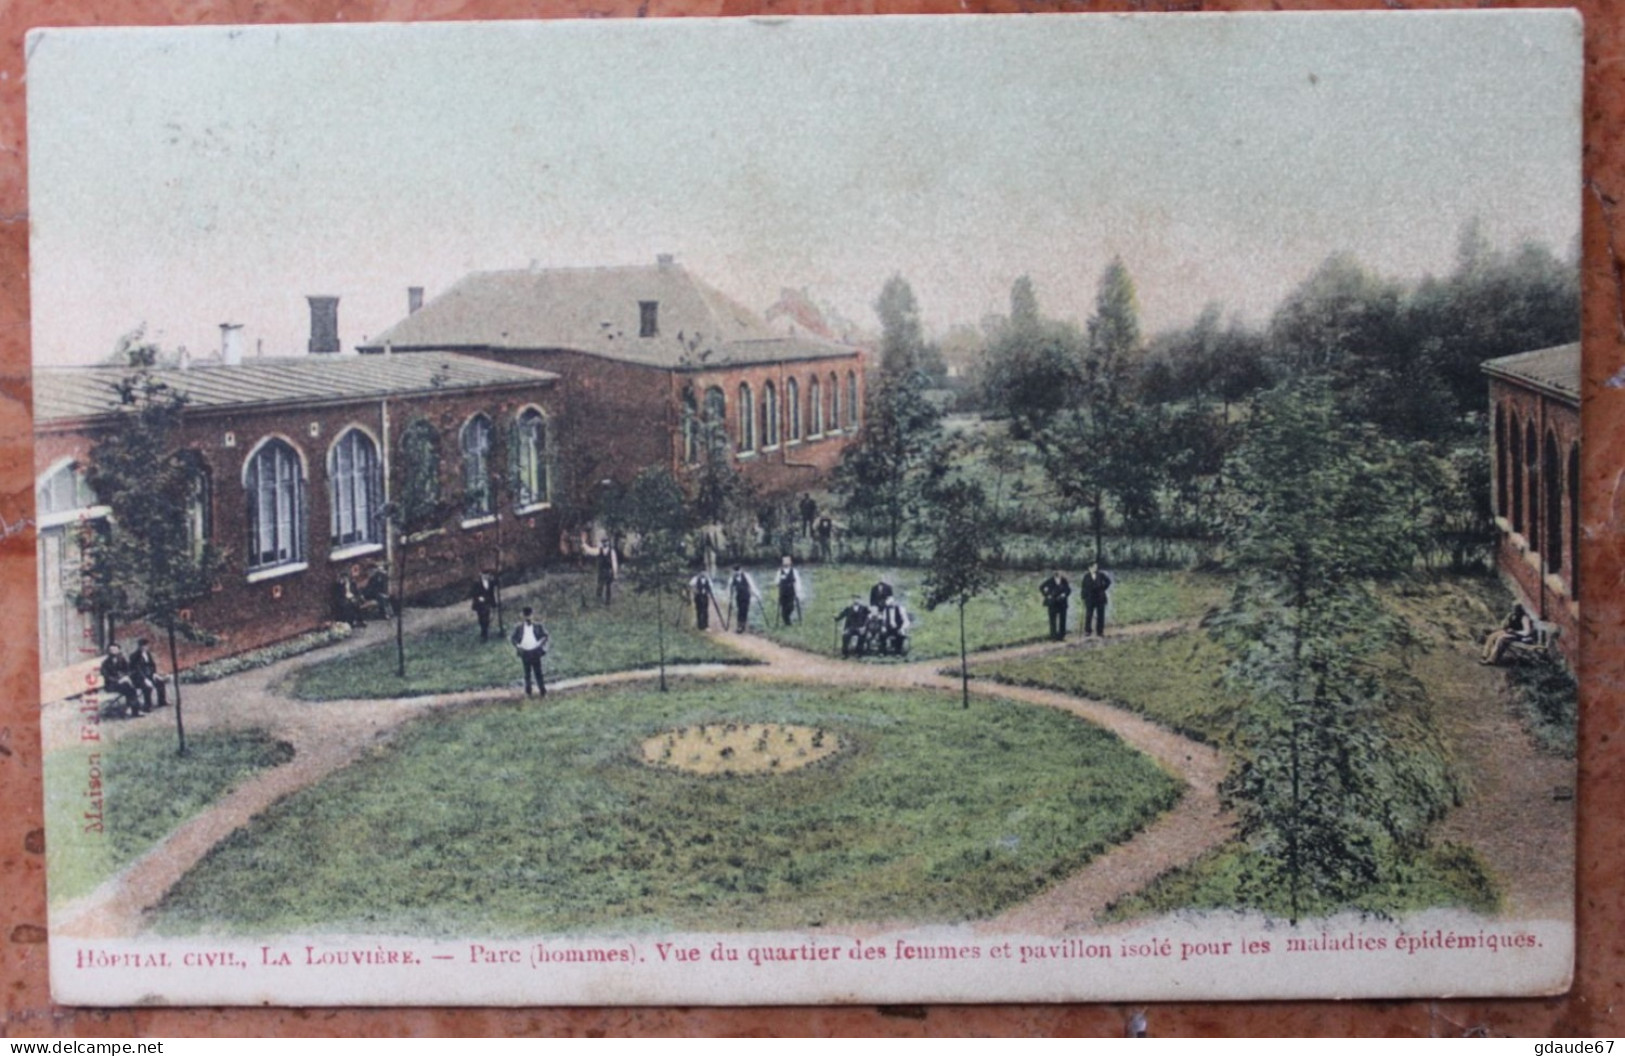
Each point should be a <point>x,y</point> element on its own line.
<point>149,566</point>
<point>655,512</point>
<point>964,555</point>
<point>879,478</point>
<point>417,509</point>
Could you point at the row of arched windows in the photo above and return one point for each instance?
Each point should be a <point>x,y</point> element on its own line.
<point>828,408</point>
<point>274,482</point>
<point>1537,491</point>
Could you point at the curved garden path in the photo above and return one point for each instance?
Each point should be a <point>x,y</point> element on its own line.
<point>332,734</point>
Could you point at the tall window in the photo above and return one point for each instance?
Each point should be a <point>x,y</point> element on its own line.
<point>1531,468</point>
<point>792,403</point>
<point>275,484</point>
<point>1515,474</point>
<point>815,409</point>
<point>834,402</point>
<point>691,428</point>
<point>854,409</point>
<point>199,503</point>
<point>770,415</point>
<point>532,469</point>
<point>747,418</point>
<point>476,445</point>
<point>68,521</point>
<point>356,484</point>
<point>716,417</point>
<point>1550,469</point>
<point>1501,461</point>
<point>1574,521</point>
<point>420,474</point>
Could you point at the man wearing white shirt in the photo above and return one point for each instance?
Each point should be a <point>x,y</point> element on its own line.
<point>530,641</point>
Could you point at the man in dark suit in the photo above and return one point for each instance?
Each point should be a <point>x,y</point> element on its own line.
<point>743,588</point>
<point>530,640</point>
<point>895,619</point>
<point>144,673</point>
<point>879,593</point>
<point>1095,586</point>
<point>485,601</point>
<point>704,599</point>
<point>853,619</point>
<point>1056,591</point>
<point>116,678</point>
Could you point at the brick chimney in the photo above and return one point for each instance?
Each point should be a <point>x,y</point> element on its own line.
<point>324,325</point>
<point>414,299</point>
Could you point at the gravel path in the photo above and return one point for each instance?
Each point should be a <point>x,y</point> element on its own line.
<point>329,735</point>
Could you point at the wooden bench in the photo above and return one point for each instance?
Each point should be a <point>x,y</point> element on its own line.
<point>1544,647</point>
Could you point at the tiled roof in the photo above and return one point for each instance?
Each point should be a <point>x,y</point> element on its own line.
<point>597,311</point>
<point>82,392</point>
<point>1554,371</point>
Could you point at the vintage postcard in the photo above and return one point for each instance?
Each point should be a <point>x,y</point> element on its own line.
<point>771,510</point>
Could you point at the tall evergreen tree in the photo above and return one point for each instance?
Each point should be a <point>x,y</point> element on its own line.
<point>902,337</point>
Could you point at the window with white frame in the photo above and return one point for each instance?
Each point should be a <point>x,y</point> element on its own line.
<point>274,481</point>
<point>532,471</point>
<point>770,415</point>
<point>747,418</point>
<point>476,444</point>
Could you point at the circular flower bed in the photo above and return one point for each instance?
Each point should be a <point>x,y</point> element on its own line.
<point>740,748</point>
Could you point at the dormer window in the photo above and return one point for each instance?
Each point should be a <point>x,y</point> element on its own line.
<point>648,318</point>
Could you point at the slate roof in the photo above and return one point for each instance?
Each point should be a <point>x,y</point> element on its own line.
<point>596,311</point>
<point>84,392</point>
<point>1553,371</point>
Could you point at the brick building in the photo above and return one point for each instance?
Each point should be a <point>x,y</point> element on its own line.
<point>1535,437</point>
<point>295,457</point>
<point>646,356</point>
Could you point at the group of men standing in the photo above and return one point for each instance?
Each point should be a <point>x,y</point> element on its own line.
<point>134,678</point>
<point>742,593</point>
<point>1057,594</point>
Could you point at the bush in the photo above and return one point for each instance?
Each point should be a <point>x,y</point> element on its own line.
<point>256,658</point>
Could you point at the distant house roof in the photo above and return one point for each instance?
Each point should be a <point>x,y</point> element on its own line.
<point>1553,371</point>
<point>85,392</point>
<point>600,311</point>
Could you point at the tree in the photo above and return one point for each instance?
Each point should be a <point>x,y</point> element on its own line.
<point>964,556</point>
<point>1032,364</point>
<point>418,509</point>
<point>148,566</point>
<point>1101,446</point>
<point>902,339</point>
<point>879,477</point>
<point>654,511</point>
<point>719,496</point>
<point>1326,800</point>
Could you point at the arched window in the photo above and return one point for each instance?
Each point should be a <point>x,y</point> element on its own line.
<point>691,428</point>
<point>716,418</point>
<point>533,477</point>
<point>68,520</point>
<point>476,444</point>
<point>792,403</point>
<point>1574,521</point>
<point>1531,468</point>
<point>854,409</point>
<point>1551,471</point>
<point>274,480</point>
<point>770,415</point>
<point>1515,474</point>
<point>356,489</point>
<point>199,503</point>
<point>420,475</point>
<point>834,402</point>
<point>815,408</point>
<point>747,418</point>
<point>1501,461</point>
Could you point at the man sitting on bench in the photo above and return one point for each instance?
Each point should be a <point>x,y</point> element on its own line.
<point>1518,629</point>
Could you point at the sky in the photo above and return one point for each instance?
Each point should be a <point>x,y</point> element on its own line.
<point>182,178</point>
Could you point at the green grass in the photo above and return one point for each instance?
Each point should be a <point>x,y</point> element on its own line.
<point>588,639</point>
<point>147,790</point>
<point>1446,875</point>
<point>1011,614</point>
<point>1174,679</point>
<point>524,818</point>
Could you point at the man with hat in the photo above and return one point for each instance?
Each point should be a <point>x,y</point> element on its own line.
<point>530,640</point>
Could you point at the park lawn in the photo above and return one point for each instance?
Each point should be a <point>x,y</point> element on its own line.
<point>587,639</point>
<point>527,818</point>
<point>1174,679</point>
<point>1010,614</point>
<point>147,790</point>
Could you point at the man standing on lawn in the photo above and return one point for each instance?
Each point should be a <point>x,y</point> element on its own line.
<point>789,591</point>
<point>1056,591</point>
<point>1095,586</point>
<point>530,640</point>
<point>743,588</point>
<point>700,585</point>
<point>485,601</point>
